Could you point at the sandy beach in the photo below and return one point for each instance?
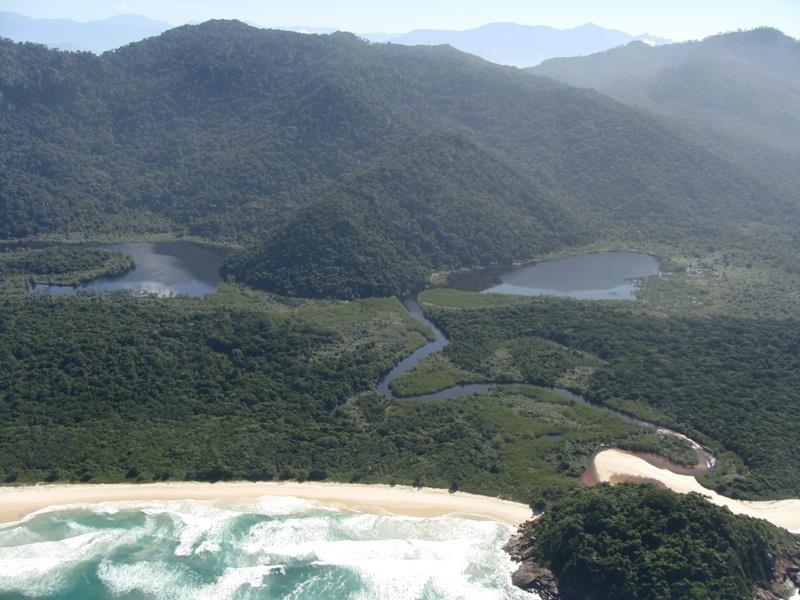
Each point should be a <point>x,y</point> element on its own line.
<point>16,502</point>
<point>616,465</point>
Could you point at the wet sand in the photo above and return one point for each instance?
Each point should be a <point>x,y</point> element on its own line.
<point>17,502</point>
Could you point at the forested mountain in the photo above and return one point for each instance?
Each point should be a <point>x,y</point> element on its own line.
<point>743,84</point>
<point>230,132</point>
<point>520,45</point>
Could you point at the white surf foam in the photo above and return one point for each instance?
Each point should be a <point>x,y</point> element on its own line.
<point>162,580</point>
<point>190,549</point>
<point>42,567</point>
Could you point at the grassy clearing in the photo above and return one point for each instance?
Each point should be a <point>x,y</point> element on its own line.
<point>713,287</point>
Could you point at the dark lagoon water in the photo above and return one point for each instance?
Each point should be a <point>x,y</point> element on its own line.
<point>163,268</point>
<point>598,276</point>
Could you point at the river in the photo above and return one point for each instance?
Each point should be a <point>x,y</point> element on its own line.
<point>705,459</point>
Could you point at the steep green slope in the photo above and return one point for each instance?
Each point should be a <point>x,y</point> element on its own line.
<point>741,85</point>
<point>230,132</point>
<point>442,201</point>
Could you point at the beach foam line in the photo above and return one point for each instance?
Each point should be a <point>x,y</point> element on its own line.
<point>614,465</point>
<point>18,502</point>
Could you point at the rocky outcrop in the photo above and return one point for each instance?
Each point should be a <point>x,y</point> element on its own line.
<point>530,576</point>
<point>786,575</point>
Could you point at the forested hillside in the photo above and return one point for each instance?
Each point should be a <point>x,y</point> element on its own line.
<point>225,131</point>
<point>741,86</point>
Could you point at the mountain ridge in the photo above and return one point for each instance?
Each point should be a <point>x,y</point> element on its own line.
<point>531,45</point>
<point>229,132</point>
<point>741,84</point>
<point>66,34</point>
<point>519,45</point>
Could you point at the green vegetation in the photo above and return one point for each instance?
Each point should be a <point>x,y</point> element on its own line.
<point>350,170</point>
<point>63,265</point>
<point>524,442</point>
<point>387,162</point>
<point>97,388</point>
<point>738,90</point>
<point>242,384</point>
<point>726,283</point>
<point>646,543</point>
<point>433,373</point>
<point>328,251</point>
<point>730,381</point>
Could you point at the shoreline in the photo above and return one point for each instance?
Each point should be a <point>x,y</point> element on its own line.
<point>615,466</point>
<point>19,502</point>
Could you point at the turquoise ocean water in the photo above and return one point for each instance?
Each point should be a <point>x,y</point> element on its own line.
<point>268,548</point>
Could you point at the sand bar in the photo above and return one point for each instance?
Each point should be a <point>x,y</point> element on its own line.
<point>16,502</point>
<point>617,465</point>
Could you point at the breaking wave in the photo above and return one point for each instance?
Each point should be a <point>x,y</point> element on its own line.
<point>270,548</point>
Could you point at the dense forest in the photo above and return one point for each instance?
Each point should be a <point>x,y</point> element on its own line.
<point>242,385</point>
<point>740,86</point>
<point>744,80</point>
<point>646,543</point>
<point>436,159</point>
<point>62,264</point>
<point>731,379</point>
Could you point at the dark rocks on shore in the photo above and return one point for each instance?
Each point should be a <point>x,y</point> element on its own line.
<point>530,576</point>
<point>786,575</point>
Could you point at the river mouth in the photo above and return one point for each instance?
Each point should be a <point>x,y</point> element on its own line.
<point>595,276</point>
<point>161,268</point>
<point>704,466</point>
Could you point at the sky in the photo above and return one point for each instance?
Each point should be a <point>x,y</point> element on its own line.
<point>678,20</point>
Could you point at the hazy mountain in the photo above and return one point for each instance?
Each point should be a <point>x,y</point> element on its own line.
<point>96,36</point>
<point>744,84</point>
<point>432,158</point>
<point>503,43</point>
<point>520,45</point>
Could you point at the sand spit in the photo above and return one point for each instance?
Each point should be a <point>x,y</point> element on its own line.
<point>617,465</point>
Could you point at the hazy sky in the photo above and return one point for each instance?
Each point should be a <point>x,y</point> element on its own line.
<point>675,19</point>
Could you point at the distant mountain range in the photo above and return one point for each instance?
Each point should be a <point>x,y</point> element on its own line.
<point>502,43</point>
<point>64,34</point>
<point>521,45</point>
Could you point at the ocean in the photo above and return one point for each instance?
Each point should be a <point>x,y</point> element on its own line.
<point>267,548</point>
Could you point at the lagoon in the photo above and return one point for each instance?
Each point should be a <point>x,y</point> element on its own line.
<point>597,276</point>
<point>162,268</point>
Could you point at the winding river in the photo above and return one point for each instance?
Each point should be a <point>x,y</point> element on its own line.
<point>705,459</point>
